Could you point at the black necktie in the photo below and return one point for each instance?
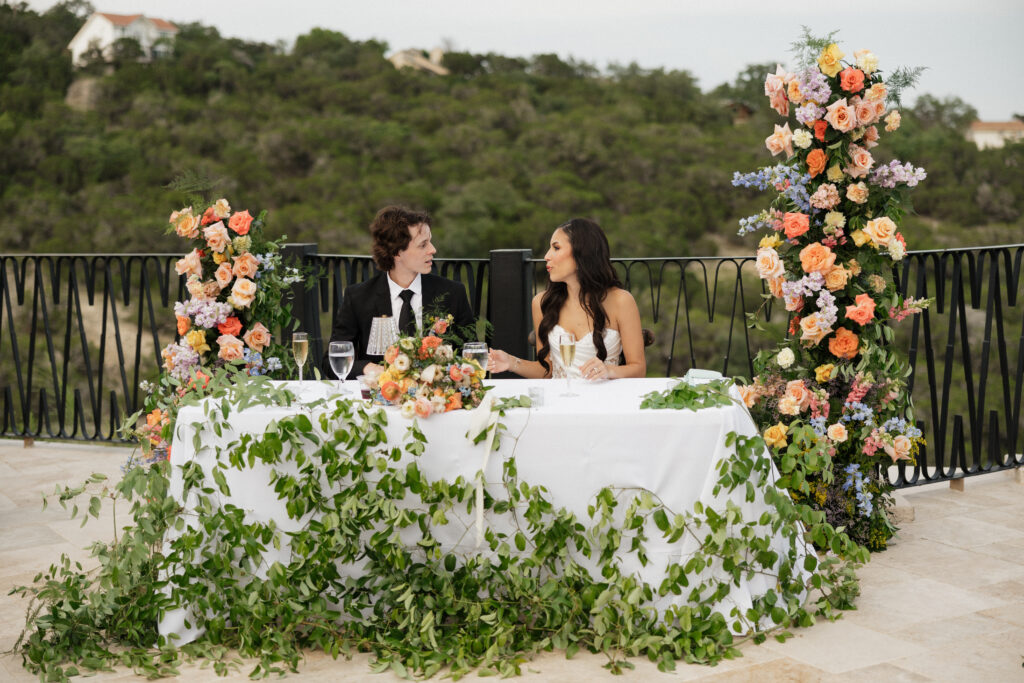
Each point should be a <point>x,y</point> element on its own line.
<point>406,320</point>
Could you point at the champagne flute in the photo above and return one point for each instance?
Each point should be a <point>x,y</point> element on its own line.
<point>567,349</point>
<point>342,356</point>
<point>300,349</point>
<point>477,353</point>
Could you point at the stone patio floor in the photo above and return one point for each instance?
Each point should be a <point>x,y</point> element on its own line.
<point>944,603</point>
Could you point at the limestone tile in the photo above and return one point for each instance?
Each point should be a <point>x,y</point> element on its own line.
<point>965,532</point>
<point>995,657</point>
<point>950,632</point>
<point>842,646</point>
<point>782,669</point>
<point>880,672</point>
<point>949,564</point>
<point>1012,613</point>
<point>1003,516</point>
<point>892,607</point>
<point>19,536</point>
<point>1007,591</point>
<point>1004,550</point>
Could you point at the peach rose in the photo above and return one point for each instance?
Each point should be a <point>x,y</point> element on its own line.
<point>242,293</point>
<point>195,288</point>
<point>423,407</point>
<point>216,236</point>
<point>240,222</point>
<point>844,344</point>
<point>231,325</point>
<point>879,109</point>
<point>813,329</point>
<point>861,162</point>
<point>862,311</point>
<point>768,264</point>
<point>836,278</point>
<point>877,92</point>
<point>211,289</point>
<point>258,337</point>
<point>230,347</point>
<point>857,193</point>
<point>788,406</point>
<point>865,111</point>
<point>870,137</point>
<point>841,116</point>
<point>775,286</point>
<point>749,394</point>
<point>837,432</point>
<point>183,324</point>
<point>797,390</point>
<point>880,231</point>
<point>223,275</point>
<point>190,264</point>
<point>793,90</point>
<point>246,265</point>
<point>900,448</point>
<point>795,224</point>
<point>817,258</point>
<point>775,436</point>
<point>775,82</point>
<point>780,141</point>
<point>187,226</point>
<point>892,121</point>
<point>391,354</point>
<point>851,80</point>
<point>816,161</point>
<point>221,208</point>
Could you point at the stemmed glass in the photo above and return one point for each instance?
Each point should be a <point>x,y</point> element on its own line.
<point>477,353</point>
<point>567,349</point>
<point>300,349</point>
<point>341,354</point>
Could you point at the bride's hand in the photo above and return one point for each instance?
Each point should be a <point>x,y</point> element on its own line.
<point>595,370</point>
<point>498,361</point>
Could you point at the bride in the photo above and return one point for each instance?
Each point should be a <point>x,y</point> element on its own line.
<point>585,299</point>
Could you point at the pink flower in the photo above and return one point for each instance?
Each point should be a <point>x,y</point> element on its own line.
<point>864,110</point>
<point>861,162</point>
<point>779,103</point>
<point>841,116</point>
<point>825,197</point>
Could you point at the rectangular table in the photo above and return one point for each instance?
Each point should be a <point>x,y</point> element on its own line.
<point>572,446</point>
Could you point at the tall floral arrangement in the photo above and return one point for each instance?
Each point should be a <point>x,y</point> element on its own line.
<point>832,238</point>
<point>236,284</point>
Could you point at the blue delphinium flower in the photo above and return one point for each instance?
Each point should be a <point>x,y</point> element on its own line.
<point>856,480</point>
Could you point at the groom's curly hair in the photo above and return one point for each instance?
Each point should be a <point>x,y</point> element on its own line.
<point>390,232</point>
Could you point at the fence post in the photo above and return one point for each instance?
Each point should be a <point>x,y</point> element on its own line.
<point>305,307</point>
<point>509,293</point>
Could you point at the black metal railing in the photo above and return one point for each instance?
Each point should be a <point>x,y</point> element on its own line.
<point>79,332</point>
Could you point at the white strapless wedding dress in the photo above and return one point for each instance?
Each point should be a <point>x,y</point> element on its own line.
<point>585,350</point>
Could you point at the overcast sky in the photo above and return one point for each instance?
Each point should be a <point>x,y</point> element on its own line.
<point>972,49</point>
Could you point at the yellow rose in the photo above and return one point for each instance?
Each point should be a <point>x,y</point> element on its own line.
<point>859,238</point>
<point>828,62</point>
<point>197,340</point>
<point>772,241</point>
<point>835,174</point>
<point>219,257</point>
<point>823,373</point>
<point>775,436</point>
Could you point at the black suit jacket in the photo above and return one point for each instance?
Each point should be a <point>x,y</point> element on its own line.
<point>364,301</point>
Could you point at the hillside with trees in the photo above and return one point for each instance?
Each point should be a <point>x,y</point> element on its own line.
<point>499,151</point>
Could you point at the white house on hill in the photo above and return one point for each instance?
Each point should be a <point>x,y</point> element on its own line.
<point>102,30</point>
<point>986,134</point>
<point>414,59</point>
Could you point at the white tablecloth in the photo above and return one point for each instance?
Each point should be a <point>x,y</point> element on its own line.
<point>572,446</point>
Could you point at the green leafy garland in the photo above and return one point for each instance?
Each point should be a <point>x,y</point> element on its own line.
<point>417,609</point>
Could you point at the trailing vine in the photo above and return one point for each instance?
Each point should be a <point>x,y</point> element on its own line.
<point>543,578</point>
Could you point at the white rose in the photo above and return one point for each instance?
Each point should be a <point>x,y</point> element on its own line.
<point>408,409</point>
<point>402,362</point>
<point>785,358</point>
<point>802,138</point>
<point>896,250</point>
<point>428,374</point>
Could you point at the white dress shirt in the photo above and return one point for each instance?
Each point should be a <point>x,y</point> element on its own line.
<point>417,299</point>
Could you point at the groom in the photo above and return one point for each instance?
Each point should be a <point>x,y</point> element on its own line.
<point>403,250</point>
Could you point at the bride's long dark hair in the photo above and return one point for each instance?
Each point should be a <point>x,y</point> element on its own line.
<point>596,276</point>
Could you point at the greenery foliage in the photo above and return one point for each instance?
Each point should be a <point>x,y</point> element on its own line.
<point>500,151</point>
<point>357,498</point>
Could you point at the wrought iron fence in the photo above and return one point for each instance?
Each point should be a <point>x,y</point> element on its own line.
<point>79,332</point>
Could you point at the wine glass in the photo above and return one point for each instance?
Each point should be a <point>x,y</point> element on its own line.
<point>341,354</point>
<point>300,349</point>
<point>477,353</point>
<point>567,349</point>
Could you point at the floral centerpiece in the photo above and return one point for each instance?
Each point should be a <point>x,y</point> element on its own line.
<point>236,284</point>
<point>423,376</point>
<point>832,239</point>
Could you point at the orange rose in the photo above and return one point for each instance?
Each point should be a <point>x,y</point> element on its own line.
<point>817,258</point>
<point>816,161</point>
<point>836,278</point>
<point>851,80</point>
<point>844,344</point>
<point>454,402</point>
<point>223,275</point>
<point>819,130</point>
<point>390,391</point>
<point>749,394</point>
<point>427,345</point>
<point>391,354</point>
<point>863,311</point>
<point>208,216</point>
<point>230,326</point>
<point>257,338</point>
<point>775,286</point>
<point>455,373</point>
<point>246,265</point>
<point>230,347</point>
<point>183,324</point>
<point>795,96</point>
<point>795,224</point>
<point>240,222</point>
